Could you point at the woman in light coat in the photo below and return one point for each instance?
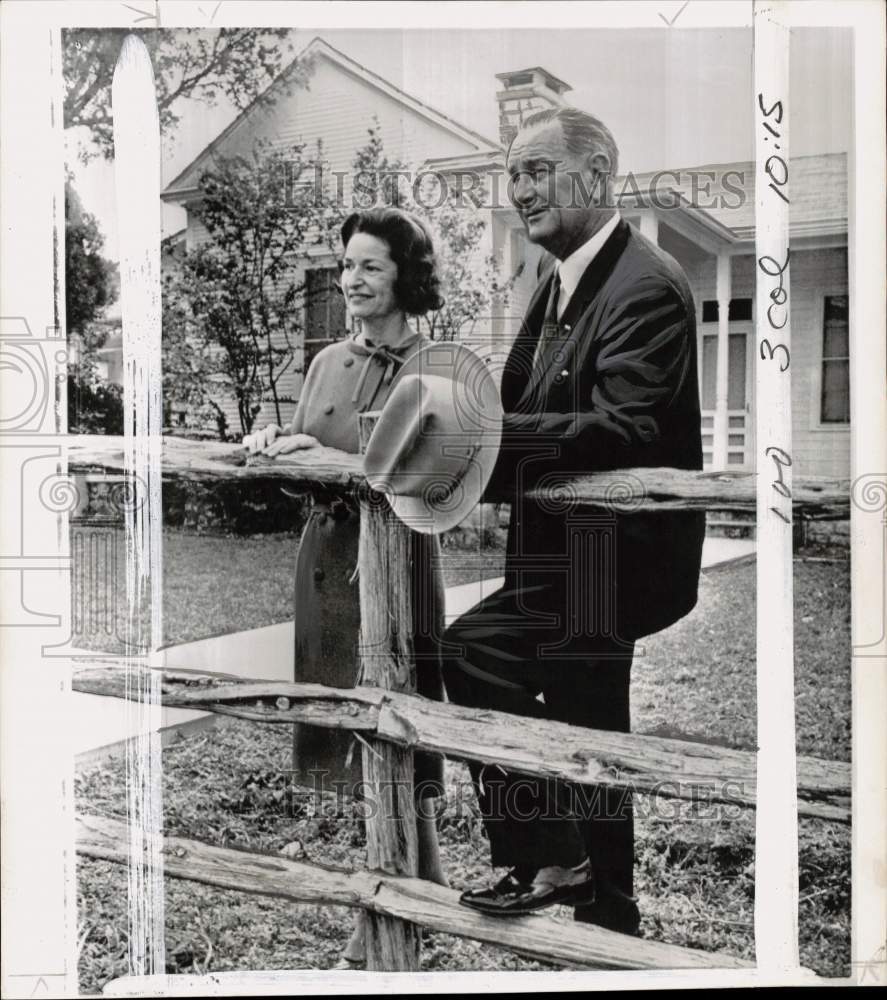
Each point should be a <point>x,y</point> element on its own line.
<point>388,273</point>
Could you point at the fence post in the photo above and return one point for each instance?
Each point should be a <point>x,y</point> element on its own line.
<point>387,661</point>
<point>137,182</point>
<point>776,829</point>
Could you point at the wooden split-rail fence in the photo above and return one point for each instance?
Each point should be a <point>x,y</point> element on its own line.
<point>394,722</point>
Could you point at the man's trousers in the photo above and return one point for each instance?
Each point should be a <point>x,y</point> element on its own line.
<point>495,659</point>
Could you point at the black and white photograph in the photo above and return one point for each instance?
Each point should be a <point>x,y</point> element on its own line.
<point>444,497</point>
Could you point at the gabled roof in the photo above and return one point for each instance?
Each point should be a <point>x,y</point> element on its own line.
<point>319,48</point>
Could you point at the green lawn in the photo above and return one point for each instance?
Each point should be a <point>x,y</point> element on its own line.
<point>695,870</point>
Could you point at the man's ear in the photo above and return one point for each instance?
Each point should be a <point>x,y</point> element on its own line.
<point>598,165</point>
<point>599,162</point>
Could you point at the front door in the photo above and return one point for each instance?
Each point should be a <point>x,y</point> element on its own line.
<point>740,385</point>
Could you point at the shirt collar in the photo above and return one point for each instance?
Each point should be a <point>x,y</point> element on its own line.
<point>573,267</point>
<point>368,347</point>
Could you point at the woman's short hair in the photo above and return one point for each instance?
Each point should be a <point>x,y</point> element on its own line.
<point>417,288</point>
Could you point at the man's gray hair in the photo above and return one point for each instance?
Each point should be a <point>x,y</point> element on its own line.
<point>583,133</point>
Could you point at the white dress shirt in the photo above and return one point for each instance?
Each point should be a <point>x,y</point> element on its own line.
<point>573,267</point>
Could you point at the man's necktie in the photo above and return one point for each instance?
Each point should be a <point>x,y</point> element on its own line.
<point>550,326</point>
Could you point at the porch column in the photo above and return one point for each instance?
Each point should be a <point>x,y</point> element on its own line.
<point>719,444</point>
<point>650,226</point>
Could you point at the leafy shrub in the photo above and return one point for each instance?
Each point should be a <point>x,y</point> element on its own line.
<point>94,407</point>
<point>258,506</point>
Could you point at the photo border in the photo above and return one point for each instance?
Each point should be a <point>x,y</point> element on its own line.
<point>37,841</point>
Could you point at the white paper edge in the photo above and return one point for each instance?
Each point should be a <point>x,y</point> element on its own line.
<point>25,37</point>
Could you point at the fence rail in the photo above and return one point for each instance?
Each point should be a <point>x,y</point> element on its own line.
<point>677,769</point>
<point>627,490</point>
<point>413,900</point>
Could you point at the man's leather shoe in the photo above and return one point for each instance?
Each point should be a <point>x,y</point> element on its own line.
<point>513,897</point>
<point>514,882</point>
<point>613,910</point>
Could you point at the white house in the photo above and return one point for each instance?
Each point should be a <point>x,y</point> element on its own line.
<point>703,216</point>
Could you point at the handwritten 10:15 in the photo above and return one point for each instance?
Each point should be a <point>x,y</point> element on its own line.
<point>775,168</point>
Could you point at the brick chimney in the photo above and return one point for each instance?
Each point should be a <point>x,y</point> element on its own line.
<point>523,92</point>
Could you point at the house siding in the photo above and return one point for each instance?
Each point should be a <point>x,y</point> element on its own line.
<point>338,109</point>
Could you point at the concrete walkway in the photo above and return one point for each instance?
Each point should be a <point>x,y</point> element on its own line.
<point>720,550</point>
<point>99,725</point>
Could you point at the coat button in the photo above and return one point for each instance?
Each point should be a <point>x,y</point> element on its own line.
<point>328,409</point>
<point>349,362</point>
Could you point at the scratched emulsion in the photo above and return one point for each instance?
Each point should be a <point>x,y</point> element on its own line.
<point>137,179</point>
<point>776,831</point>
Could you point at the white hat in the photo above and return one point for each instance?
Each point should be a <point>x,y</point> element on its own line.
<point>436,441</point>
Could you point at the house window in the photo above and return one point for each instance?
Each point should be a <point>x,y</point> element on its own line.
<point>325,317</point>
<point>835,391</point>
<point>736,372</point>
<point>739,310</point>
<point>708,388</point>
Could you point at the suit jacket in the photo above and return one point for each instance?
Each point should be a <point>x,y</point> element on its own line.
<point>617,389</point>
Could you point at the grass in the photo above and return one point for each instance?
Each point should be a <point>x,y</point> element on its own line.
<point>694,866</point>
<point>212,584</point>
<point>698,677</point>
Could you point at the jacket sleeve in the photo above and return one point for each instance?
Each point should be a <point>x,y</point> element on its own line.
<point>641,354</point>
<point>313,377</point>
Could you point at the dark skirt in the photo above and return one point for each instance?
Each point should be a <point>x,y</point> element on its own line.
<point>327,625</point>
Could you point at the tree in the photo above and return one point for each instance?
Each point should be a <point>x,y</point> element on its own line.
<point>472,284</point>
<point>91,283</point>
<point>94,406</point>
<point>197,63</point>
<point>232,315</point>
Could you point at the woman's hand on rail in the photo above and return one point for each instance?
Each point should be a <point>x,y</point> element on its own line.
<point>286,443</point>
<point>259,440</point>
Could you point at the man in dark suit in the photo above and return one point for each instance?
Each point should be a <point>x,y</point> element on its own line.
<point>602,375</point>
